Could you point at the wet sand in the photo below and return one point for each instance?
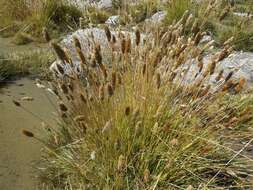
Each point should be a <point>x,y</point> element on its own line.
<point>19,154</point>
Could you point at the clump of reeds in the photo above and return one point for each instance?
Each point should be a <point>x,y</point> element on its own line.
<point>135,123</point>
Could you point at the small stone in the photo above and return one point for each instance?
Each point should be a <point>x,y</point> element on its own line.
<point>113,20</point>
<point>206,38</point>
<point>105,4</point>
<point>27,98</point>
<point>157,17</point>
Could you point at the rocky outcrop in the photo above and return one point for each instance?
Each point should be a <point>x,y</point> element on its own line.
<point>239,62</point>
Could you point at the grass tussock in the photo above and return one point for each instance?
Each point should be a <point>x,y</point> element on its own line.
<point>135,123</point>
<point>20,64</point>
<point>30,17</point>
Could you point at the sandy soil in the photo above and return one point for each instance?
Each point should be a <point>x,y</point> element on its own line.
<point>19,154</point>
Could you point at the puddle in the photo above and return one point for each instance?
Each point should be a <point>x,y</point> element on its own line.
<point>18,153</point>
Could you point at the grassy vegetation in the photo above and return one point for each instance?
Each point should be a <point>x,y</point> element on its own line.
<point>245,6</point>
<point>23,20</point>
<point>35,63</point>
<point>96,16</point>
<point>134,123</point>
<point>219,21</point>
<point>18,16</point>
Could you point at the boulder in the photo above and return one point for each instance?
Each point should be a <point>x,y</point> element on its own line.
<point>239,62</point>
<point>84,36</point>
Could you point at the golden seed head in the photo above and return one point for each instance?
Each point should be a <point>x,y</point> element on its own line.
<point>77,43</point>
<point>97,54</point>
<point>114,40</point>
<point>109,90</point>
<point>79,118</point>
<point>63,107</point>
<point>219,76</point>
<point>189,187</point>
<point>81,56</point>
<point>174,142</point>
<point>101,92</point>
<point>119,79</point>
<point>146,176</point>
<point>16,103</point>
<point>212,67</point>
<point>121,163</point>
<point>108,33</point>
<point>46,35</point>
<point>155,128</point>
<point>158,80</point>
<point>128,45</point>
<point>82,97</point>
<point>137,37</point>
<point>230,74</point>
<point>103,69</point>
<point>123,45</point>
<point>64,89</point>
<point>59,52</point>
<point>28,133</point>
<point>60,68</point>
<point>127,111</point>
<point>114,78</point>
<point>144,67</point>
<point>107,126</point>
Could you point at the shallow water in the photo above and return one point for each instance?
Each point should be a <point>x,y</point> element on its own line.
<point>19,154</point>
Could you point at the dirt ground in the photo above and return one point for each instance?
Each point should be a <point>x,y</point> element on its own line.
<point>19,154</point>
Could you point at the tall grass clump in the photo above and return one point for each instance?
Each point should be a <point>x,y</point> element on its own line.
<point>139,118</point>
<point>33,63</point>
<point>134,13</point>
<point>176,8</point>
<point>31,16</point>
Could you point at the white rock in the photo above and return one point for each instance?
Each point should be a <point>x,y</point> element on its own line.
<point>157,17</point>
<point>243,14</point>
<point>113,20</point>
<point>206,38</point>
<point>239,62</point>
<point>105,4</point>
